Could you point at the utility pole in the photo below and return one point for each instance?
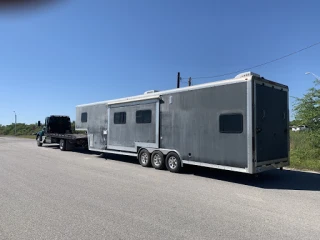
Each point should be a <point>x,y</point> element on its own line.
<point>15,123</point>
<point>178,80</point>
<point>189,81</point>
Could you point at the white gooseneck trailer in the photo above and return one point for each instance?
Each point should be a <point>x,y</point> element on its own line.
<point>240,124</point>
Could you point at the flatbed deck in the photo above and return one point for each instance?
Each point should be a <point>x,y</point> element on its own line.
<point>71,136</point>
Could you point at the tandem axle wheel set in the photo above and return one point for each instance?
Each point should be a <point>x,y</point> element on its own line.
<point>159,161</point>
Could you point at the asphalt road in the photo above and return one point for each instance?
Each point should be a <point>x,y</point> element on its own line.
<point>49,194</point>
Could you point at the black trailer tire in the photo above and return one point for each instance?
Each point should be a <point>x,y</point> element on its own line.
<point>144,158</point>
<point>173,162</point>
<point>62,145</point>
<point>39,144</point>
<point>157,160</point>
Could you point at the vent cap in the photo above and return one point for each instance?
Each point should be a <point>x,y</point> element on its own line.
<point>150,91</point>
<point>247,74</point>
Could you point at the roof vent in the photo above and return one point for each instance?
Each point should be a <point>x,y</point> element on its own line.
<point>150,91</point>
<point>247,74</point>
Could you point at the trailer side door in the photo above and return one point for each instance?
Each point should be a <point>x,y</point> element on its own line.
<point>133,124</point>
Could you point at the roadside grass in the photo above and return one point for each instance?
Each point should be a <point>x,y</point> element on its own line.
<point>303,155</point>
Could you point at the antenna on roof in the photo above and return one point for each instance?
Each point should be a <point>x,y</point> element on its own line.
<point>178,80</point>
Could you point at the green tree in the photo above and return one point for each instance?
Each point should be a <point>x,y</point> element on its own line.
<point>295,122</point>
<point>307,112</point>
<point>73,126</point>
<point>307,108</point>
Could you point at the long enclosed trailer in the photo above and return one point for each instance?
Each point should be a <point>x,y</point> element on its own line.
<point>240,124</point>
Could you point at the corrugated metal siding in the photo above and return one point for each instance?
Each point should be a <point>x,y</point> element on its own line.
<point>190,124</point>
<point>126,135</point>
<point>95,125</point>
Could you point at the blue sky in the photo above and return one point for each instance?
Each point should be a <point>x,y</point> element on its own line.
<point>75,52</point>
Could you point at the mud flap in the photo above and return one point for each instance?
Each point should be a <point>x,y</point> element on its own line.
<point>69,145</point>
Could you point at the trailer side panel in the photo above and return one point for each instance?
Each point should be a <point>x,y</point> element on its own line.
<point>94,120</point>
<point>207,125</point>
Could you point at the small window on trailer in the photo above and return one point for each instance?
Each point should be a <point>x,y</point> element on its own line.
<point>143,116</point>
<point>84,117</point>
<point>231,123</point>
<point>119,118</point>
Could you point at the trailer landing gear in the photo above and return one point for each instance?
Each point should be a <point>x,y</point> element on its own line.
<point>38,142</point>
<point>62,145</point>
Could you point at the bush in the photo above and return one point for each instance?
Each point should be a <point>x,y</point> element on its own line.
<point>26,129</point>
<point>22,129</point>
<point>305,145</point>
<point>305,150</point>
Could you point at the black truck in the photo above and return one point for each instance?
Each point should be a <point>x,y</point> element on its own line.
<point>57,129</point>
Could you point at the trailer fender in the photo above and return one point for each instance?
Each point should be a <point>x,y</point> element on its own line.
<point>139,150</point>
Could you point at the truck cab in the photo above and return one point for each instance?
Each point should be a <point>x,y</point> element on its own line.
<point>54,124</point>
<point>57,124</point>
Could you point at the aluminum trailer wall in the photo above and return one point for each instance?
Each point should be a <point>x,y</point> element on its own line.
<point>93,118</point>
<point>190,124</point>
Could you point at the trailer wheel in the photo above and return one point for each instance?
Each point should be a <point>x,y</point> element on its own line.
<point>38,142</point>
<point>157,160</point>
<point>144,158</point>
<point>62,145</point>
<point>173,162</point>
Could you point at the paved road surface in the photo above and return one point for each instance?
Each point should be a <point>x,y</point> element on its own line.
<point>49,194</point>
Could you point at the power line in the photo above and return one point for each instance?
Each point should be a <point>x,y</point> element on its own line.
<point>259,65</point>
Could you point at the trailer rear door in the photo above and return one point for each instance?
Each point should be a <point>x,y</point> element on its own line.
<point>271,122</point>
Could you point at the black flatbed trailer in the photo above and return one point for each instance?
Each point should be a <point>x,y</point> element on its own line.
<point>57,129</point>
<point>69,136</point>
<point>66,141</point>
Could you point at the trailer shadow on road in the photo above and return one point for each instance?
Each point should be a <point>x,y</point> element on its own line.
<point>121,158</point>
<point>273,179</point>
<point>77,150</point>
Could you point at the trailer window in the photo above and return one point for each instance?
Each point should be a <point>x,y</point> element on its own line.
<point>143,116</point>
<point>84,117</point>
<point>231,123</point>
<point>119,118</point>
